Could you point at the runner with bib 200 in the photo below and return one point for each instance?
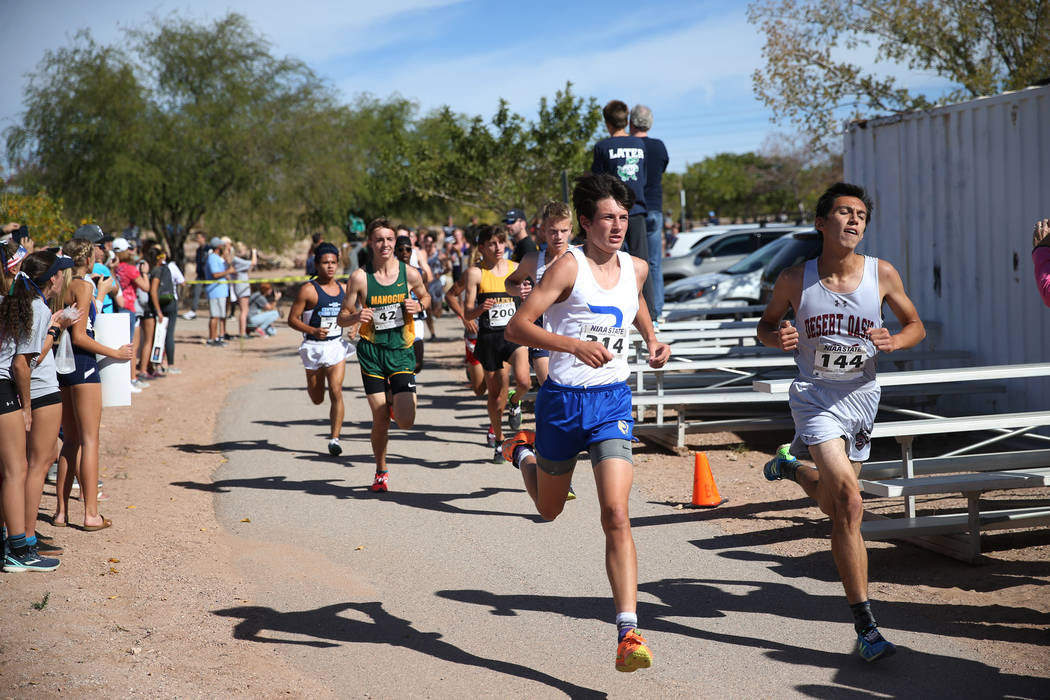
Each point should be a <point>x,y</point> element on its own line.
<point>323,351</point>
<point>589,298</point>
<point>837,300</point>
<point>489,303</point>
<point>379,299</point>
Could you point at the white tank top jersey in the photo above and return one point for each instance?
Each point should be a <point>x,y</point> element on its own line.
<point>595,314</point>
<point>833,347</point>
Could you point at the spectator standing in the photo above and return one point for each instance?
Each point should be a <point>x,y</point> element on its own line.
<point>201,266</point>
<point>1041,258</point>
<point>624,156</point>
<point>217,267</point>
<point>243,262</point>
<point>130,280</point>
<point>315,240</point>
<point>519,235</point>
<point>655,164</point>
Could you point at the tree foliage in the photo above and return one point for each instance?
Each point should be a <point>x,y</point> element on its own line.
<point>982,46</point>
<point>43,215</point>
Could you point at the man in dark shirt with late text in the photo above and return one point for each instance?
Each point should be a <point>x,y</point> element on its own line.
<point>655,165</point>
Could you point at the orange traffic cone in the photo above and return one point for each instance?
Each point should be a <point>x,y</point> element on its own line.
<point>705,493</point>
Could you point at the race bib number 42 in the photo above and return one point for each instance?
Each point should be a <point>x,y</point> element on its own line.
<point>500,314</point>
<point>386,317</point>
<point>839,362</point>
<point>614,339</point>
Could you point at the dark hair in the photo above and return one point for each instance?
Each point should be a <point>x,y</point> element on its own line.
<point>323,249</point>
<point>402,240</point>
<point>16,308</point>
<point>843,189</point>
<point>591,188</point>
<point>375,224</point>
<point>615,114</point>
<point>152,253</point>
<point>316,237</point>
<point>487,232</point>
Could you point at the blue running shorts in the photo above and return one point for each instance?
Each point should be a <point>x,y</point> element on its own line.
<point>570,418</point>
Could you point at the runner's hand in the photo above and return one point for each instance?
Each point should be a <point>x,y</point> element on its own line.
<point>787,336</point>
<point>882,339</point>
<point>412,306</point>
<point>659,354</point>
<point>1041,234</point>
<point>470,326</point>
<point>591,353</point>
<point>320,333</point>
<point>487,304</point>
<point>526,288</point>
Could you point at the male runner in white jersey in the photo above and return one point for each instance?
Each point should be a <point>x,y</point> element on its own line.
<point>589,297</point>
<point>837,301</point>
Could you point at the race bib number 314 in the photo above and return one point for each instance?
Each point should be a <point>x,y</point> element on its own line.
<point>614,339</point>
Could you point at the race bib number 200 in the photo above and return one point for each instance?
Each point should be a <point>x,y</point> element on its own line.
<point>614,339</point>
<point>500,314</point>
<point>839,362</point>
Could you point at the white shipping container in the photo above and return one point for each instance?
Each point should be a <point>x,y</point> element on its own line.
<point>957,191</point>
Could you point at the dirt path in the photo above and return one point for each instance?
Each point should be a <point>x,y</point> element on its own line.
<point>129,613</point>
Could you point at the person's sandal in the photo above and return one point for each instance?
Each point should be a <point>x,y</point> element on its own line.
<point>106,522</point>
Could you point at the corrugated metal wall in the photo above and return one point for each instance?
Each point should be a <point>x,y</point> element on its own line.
<point>957,192</point>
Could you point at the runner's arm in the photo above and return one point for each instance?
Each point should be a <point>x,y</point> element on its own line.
<point>307,295</point>
<point>659,352</point>
<point>473,281</point>
<point>912,329</point>
<point>354,310</point>
<point>415,283</point>
<point>526,270</point>
<point>771,331</point>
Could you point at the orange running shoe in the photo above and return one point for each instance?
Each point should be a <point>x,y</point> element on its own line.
<point>632,653</point>
<point>380,482</point>
<point>523,437</point>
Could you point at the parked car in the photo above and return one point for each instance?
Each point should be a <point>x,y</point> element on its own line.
<point>739,283</point>
<point>719,252</point>
<point>801,246</point>
<point>688,240</point>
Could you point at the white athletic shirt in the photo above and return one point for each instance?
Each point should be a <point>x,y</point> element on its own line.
<point>833,347</point>
<point>593,313</point>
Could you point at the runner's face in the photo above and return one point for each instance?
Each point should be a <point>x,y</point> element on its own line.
<point>492,250</point>
<point>326,267</point>
<point>403,252</point>
<point>382,243</point>
<point>558,234</point>
<point>608,227</point>
<point>845,223</point>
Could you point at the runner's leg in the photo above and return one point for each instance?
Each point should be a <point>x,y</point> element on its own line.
<point>380,428</point>
<point>613,479</point>
<point>335,375</point>
<point>838,495</point>
<point>315,385</point>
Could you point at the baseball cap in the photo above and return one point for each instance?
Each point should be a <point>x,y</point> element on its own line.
<point>89,232</point>
<point>513,215</point>
<point>121,244</point>
<point>215,242</point>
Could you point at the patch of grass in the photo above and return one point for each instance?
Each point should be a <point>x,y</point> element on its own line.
<point>739,448</point>
<point>43,602</point>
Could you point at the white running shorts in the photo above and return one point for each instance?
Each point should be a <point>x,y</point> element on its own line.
<point>822,414</point>
<point>317,354</point>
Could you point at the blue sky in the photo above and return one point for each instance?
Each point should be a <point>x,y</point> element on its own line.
<point>691,62</point>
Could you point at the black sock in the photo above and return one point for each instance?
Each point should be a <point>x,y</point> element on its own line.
<point>788,470</point>
<point>862,617</point>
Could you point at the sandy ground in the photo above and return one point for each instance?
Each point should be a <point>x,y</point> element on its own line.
<point>128,613</point>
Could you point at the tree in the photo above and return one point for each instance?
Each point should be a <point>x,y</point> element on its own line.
<point>189,120</point>
<point>982,46</point>
<point>42,214</point>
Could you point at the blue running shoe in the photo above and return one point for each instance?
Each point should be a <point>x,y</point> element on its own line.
<point>871,645</point>
<point>772,469</point>
<point>27,559</point>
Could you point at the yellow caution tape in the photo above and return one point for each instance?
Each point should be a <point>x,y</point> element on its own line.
<point>258,280</point>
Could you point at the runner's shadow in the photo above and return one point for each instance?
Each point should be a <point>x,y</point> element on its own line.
<point>438,502</point>
<point>232,446</point>
<point>690,514</point>
<point>290,423</point>
<point>325,627</point>
<point>907,675</point>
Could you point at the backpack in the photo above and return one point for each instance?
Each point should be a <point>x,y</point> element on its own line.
<point>166,288</point>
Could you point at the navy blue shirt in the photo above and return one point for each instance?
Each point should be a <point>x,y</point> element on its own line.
<point>624,157</point>
<point>655,165</point>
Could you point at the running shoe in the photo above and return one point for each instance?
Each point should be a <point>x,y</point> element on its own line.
<point>28,560</point>
<point>333,448</point>
<point>189,315</point>
<point>772,468</point>
<point>632,653</point>
<point>571,495</point>
<point>514,415</point>
<point>871,645</point>
<point>381,482</point>
<point>497,456</point>
<point>525,438</point>
<point>490,439</point>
